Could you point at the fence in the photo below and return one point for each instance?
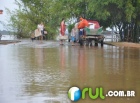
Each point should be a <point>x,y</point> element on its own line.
<point>111,37</point>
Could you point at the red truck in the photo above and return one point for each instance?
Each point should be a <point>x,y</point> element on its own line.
<point>92,33</point>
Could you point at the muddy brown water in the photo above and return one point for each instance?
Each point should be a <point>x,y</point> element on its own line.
<point>43,72</point>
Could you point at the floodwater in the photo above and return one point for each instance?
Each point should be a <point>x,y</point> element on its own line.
<point>43,72</point>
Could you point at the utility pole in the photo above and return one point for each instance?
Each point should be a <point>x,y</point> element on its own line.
<point>84,9</point>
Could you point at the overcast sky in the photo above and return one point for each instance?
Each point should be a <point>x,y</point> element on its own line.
<point>5,4</point>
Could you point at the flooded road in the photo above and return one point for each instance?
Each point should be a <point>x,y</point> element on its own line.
<point>43,72</point>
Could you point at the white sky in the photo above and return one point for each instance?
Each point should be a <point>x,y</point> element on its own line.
<point>6,4</point>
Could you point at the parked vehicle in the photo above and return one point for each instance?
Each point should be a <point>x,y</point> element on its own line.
<point>92,33</point>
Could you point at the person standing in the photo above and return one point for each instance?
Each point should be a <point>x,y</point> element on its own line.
<point>76,32</point>
<point>73,34</point>
<point>62,30</point>
<point>41,29</point>
<point>81,25</point>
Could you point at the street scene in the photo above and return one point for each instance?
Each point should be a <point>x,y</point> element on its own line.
<point>66,51</point>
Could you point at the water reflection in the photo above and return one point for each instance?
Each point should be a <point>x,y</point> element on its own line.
<point>82,65</point>
<point>62,57</point>
<point>43,75</point>
<point>39,56</point>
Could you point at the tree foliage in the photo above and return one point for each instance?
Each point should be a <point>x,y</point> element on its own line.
<point>122,14</point>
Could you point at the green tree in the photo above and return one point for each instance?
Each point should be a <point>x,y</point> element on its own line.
<point>121,14</point>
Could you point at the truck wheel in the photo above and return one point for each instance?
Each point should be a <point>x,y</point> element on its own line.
<point>91,44</point>
<point>96,43</point>
<point>69,40</point>
<point>81,42</point>
<point>102,43</point>
<point>87,42</point>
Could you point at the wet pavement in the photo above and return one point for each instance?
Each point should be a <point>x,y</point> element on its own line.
<point>43,72</point>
